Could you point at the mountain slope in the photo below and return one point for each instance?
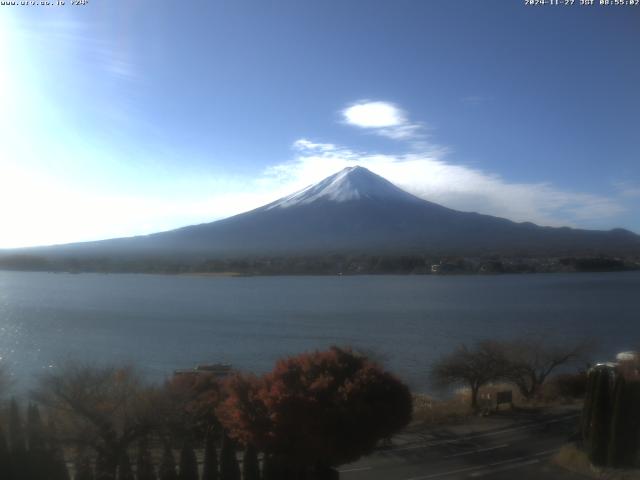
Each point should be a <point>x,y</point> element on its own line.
<point>357,211</point>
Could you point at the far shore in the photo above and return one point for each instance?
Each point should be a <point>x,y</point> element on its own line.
<point>330,264</point>
<point>235,274</point>
<point>211,274</point>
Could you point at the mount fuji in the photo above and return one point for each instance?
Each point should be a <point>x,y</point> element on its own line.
<point>355,211</point>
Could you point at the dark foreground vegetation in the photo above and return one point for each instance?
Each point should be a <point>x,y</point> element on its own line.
<point>608,443</point>
<point>611,417</point>
<point>312,413</point>
<point>327,264</point>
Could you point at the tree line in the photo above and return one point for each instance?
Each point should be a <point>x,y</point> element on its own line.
<point>323,264</point>
<point>312,413</point>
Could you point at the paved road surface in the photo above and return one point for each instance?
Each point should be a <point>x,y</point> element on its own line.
<point>515,447</point>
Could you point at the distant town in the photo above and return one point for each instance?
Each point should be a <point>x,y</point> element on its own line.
<point>336,264</point>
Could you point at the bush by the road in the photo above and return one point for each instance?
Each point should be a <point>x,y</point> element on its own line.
<point>317,410</point>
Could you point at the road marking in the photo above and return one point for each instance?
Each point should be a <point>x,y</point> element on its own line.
<point>444,474</point>
<point>547,452</point>
<point>478,450</point>
<point>479,435</point>
<point>481,470</point>
<point>355,469</point>
<point>505,467</point>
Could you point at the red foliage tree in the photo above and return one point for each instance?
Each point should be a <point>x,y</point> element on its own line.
<point>243,413</point>
<point>192,400</point>
<point>318,409</point>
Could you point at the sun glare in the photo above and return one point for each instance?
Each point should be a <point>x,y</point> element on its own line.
<point>7,70</point>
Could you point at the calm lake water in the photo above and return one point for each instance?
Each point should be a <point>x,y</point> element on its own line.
<point>166,322</point>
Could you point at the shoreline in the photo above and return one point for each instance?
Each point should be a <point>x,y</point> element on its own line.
<point>235,274</point>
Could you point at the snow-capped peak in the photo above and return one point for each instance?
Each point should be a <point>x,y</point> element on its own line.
<point>352,183</point>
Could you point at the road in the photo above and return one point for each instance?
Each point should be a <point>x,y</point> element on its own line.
<point>512,446</point>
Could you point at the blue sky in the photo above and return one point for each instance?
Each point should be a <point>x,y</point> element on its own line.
<point>120,118</point>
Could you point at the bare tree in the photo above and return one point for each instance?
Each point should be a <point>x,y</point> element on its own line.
<point>104,408</point>
<point>532,358</point>
<point>472,367</point>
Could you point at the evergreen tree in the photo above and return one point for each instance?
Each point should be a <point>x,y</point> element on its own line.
<point>616,445</point>
<point>39,462</point>
<point>59,469</point>
<point>632,436</point>
<point>144,464</point>
<point>55,455</point>
<point>271,468</point>
<point>587,409</point>
<point>83,467</point>
<point>599,428</point>
<point>229,468</point>
<point>5,465</point>
<point>102,470</point>
<point>188,462</point>
<point>250,465</point>
<point>625,424</point>
<point>168,465</point>
<point>16,430</point>
<point>210,467</point>
<point>35,430</point>
<point>324,473</point>
<point>125,471</point>
<point>19,463</point>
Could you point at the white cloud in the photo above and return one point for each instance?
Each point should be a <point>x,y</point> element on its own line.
<point>427,175</point>
<point>628,189</point>
<point>374,115</point>
<point>306,145</point>
<point>382,118</point>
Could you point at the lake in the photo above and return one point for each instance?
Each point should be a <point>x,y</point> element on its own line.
<point>163,322</point>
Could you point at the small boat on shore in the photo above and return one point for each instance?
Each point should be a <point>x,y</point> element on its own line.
<point>219,370</point>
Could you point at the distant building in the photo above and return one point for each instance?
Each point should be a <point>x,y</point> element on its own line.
<point>449,266</point>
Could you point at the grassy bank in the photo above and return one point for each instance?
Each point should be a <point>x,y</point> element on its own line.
<point>575,460</point>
